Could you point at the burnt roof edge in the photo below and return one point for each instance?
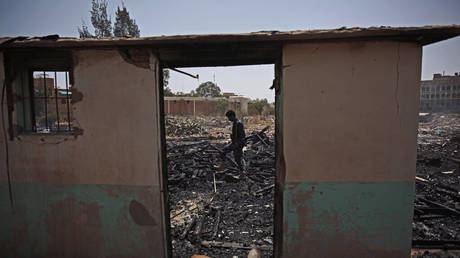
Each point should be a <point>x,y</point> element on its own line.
<point>421,35</point>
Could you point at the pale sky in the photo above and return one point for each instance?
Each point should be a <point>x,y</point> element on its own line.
<point>171,17</point>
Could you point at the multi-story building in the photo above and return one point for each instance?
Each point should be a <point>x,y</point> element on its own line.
<point>440,94</point>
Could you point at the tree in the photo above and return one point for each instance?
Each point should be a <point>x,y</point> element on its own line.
<point>165,77</point>
<point>222,106</point>
<point>100,20</point>
<point>208,89</point>
<point>125,26</point>
<point>84,32</point>
<point>257,106</point>
<point>102,23</point>
<point>167,92</point>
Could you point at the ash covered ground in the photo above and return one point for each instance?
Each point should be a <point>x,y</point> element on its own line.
<point>437,189</point>
<point>220,212</point>
<point>238,211</point>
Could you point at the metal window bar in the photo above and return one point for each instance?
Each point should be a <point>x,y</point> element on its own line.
<point>23,103</point>
<point>34,98</point>
<point>46,100</point>
<point>67,100</point>
<point>32,101</point>
<point>56,98</point>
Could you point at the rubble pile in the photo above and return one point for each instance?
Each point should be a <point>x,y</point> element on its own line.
<point>183,126</point>
<point>221,213</point>
<point>437,200</point>
<point>178,127</point>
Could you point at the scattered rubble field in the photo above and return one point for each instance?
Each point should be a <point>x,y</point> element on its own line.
<point>437,191</point>
<point>220,212</point>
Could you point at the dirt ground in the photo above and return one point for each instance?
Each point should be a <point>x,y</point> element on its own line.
<point>211,207</point>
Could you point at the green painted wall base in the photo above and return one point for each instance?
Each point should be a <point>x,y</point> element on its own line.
<point>347,219</point>
<point>57,220</point>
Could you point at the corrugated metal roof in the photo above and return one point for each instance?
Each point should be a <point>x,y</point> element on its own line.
<point>422,35</point>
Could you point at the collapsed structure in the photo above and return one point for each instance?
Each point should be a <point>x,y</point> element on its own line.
<point>345,145</point>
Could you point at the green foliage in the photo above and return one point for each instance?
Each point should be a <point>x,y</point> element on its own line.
<point>222,106</point>
<point>256,107</point>
<point>208,89</point>
<point>101,21</point>
<point>269,110</point>
<point>124,26</point>
<point>165,77</point>
<point>84,31</point>
<point>167,92</point>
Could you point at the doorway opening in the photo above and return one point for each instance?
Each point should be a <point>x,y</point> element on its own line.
<point>216,207</point>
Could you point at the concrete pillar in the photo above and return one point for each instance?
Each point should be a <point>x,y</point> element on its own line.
<point>350,116</point>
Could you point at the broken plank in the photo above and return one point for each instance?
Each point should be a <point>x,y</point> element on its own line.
<point>199,228</point>
<point>216,225</point>
<point>234,245</point>
<point>187,229</point>
<point>451,211</point>
<point>421,179</point>
<point>265,189</point>
<point>436,244</point>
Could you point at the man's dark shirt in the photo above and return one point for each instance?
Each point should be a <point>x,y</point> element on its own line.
<point>238,134</point>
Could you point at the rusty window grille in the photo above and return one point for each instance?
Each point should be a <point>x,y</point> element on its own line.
<point>51,102</point>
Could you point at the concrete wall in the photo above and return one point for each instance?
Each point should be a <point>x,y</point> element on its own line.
<point>350,119</point>
<point>96,194</point>
<point>190,106</point>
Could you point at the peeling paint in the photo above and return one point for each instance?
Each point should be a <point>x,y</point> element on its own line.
<point>140,214</point>
<point>137,57</point>
<point>357,219</point>
<point>72,222</point>
<point>76,96</point>
<point>77,131</point>
<point>57,220</point>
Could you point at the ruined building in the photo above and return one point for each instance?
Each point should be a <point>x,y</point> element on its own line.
<point>440,94</point>
<point>347,104</point>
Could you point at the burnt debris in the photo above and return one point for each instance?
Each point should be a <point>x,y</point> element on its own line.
<point>436,222</point>
<point>214,211</point>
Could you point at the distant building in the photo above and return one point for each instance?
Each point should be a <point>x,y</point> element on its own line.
<point>228,94</point>
<point>440,94</point>
<point>183,105</point>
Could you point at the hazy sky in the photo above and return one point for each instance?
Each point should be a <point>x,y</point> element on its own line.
<point>170,17</point>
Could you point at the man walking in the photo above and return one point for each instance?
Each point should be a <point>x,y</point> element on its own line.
<point>238,140</point>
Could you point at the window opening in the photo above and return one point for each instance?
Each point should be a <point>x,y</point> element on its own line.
<point>51,102</point>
